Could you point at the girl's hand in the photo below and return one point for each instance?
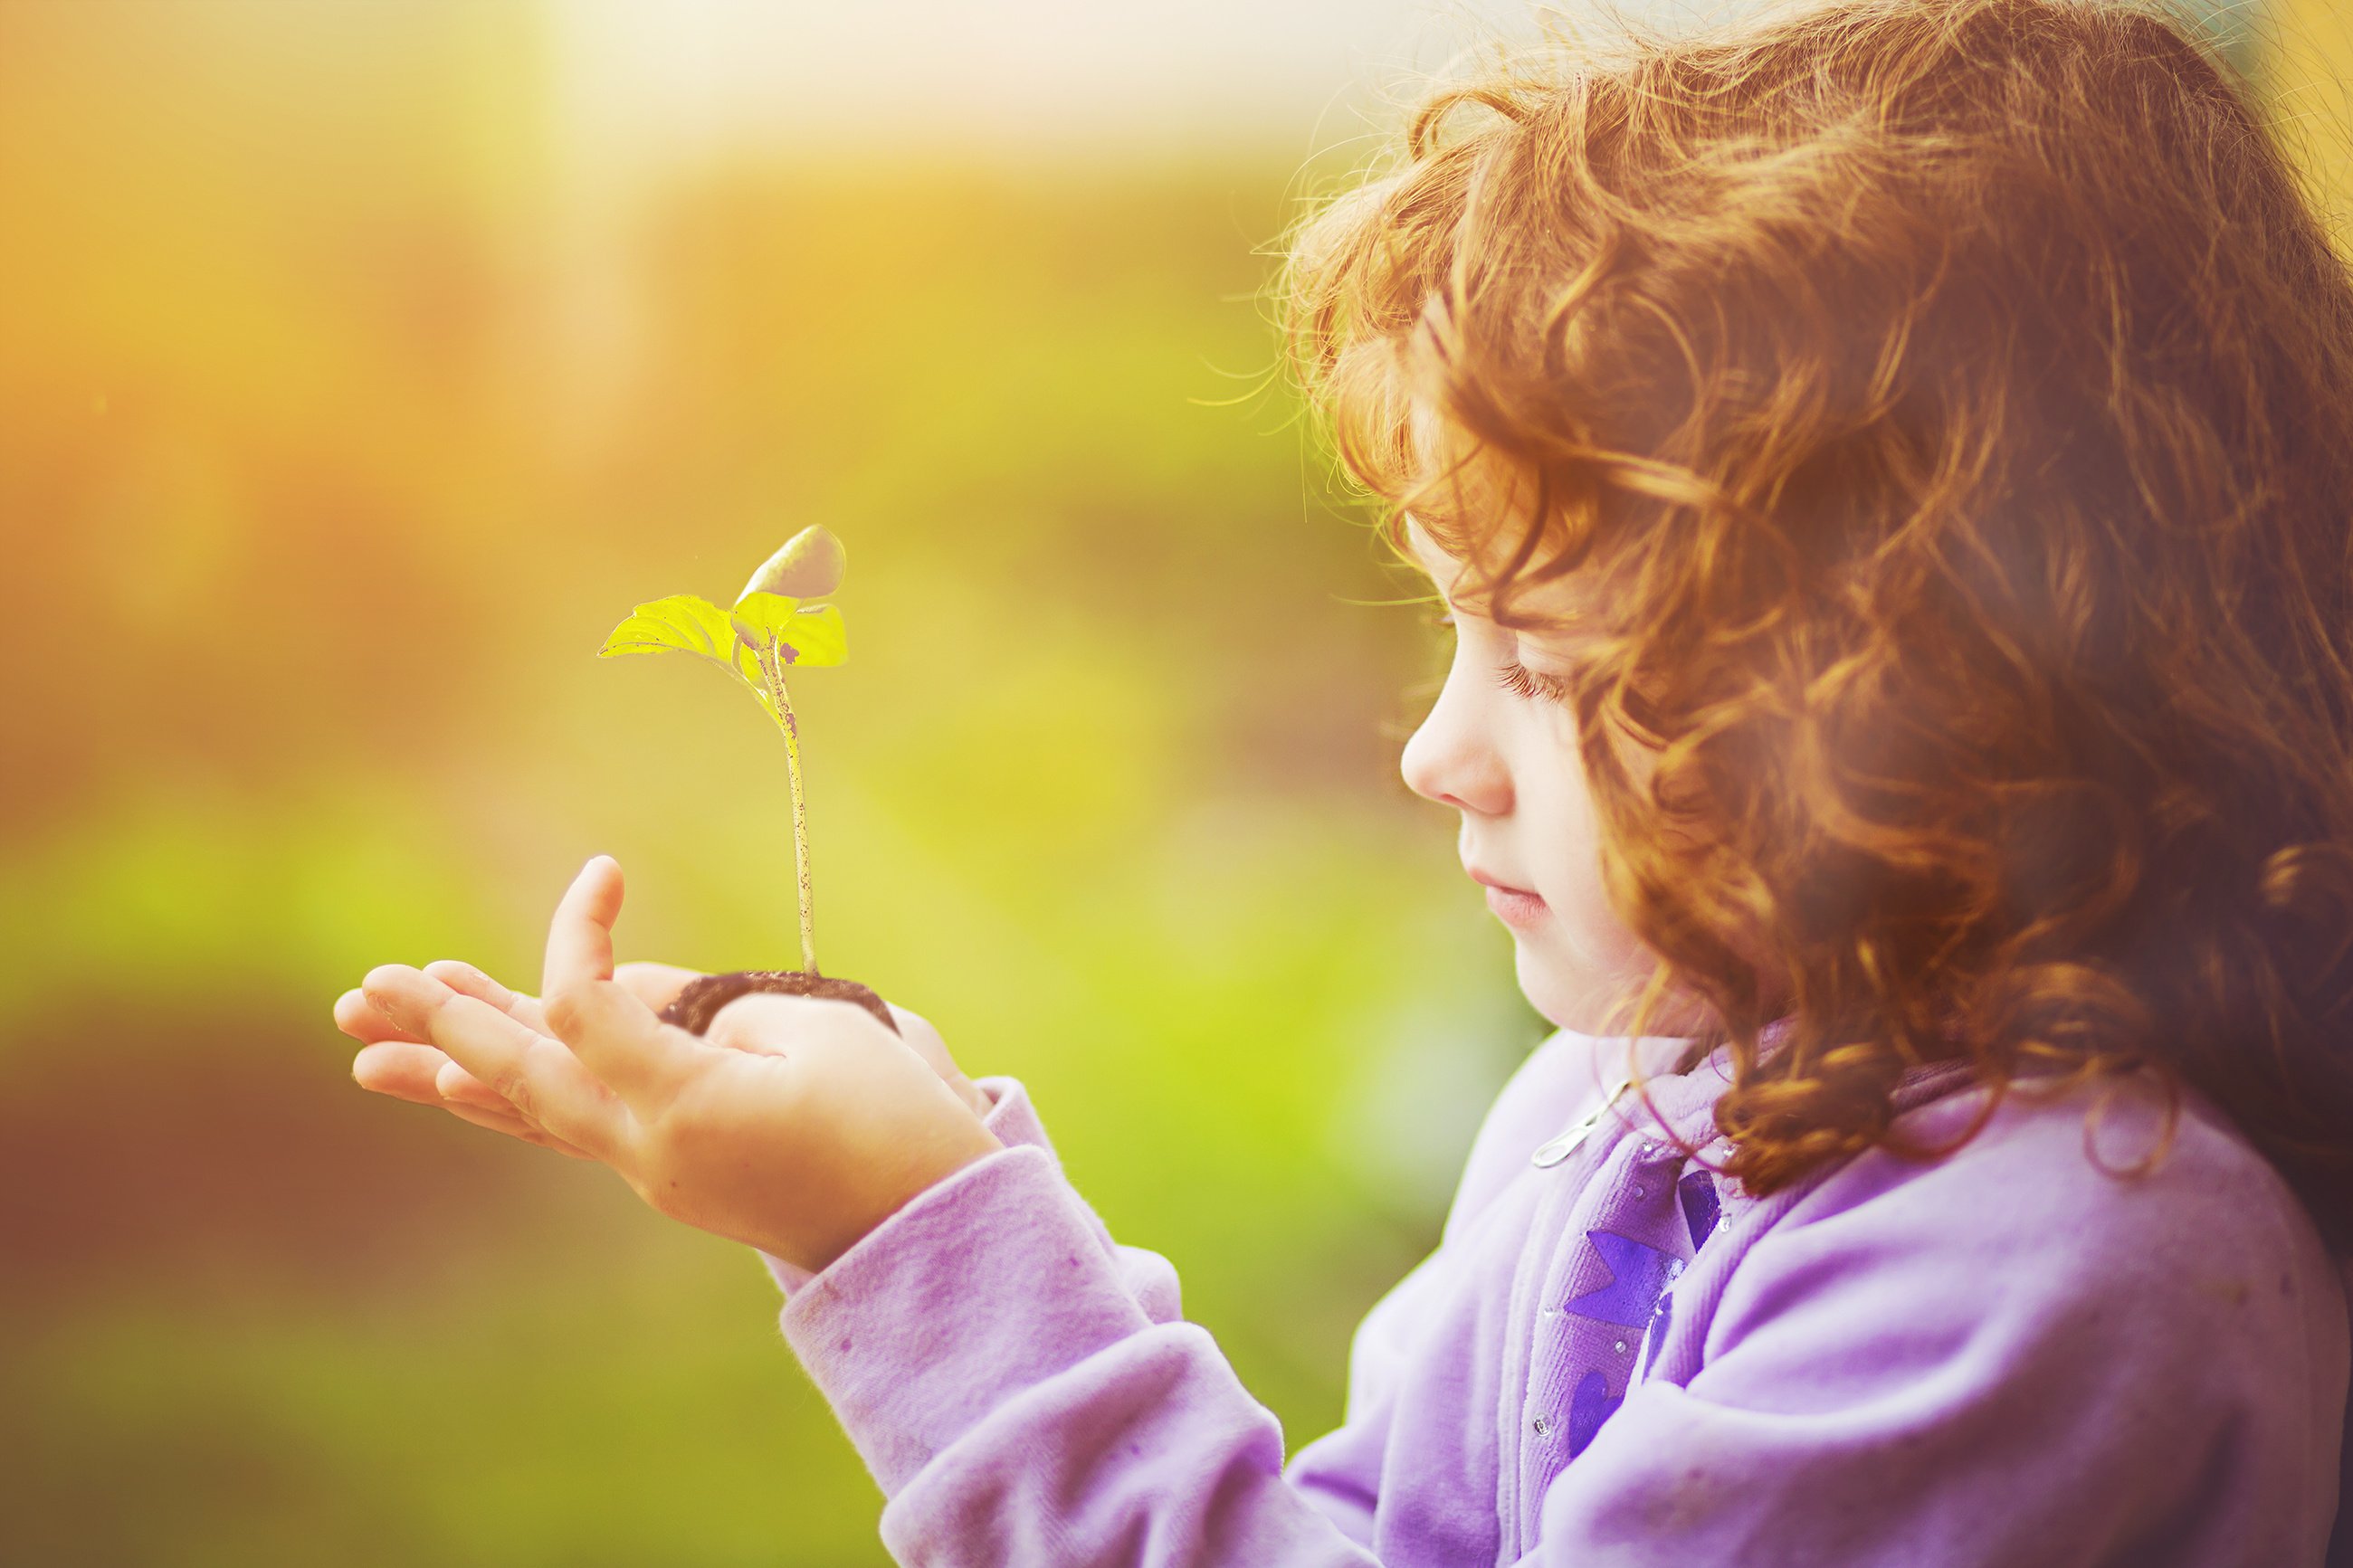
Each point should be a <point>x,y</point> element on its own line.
<point>406,1067</point>
<point>796,1125</point>
<point>396,1062</point>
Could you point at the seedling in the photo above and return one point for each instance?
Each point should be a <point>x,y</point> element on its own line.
<point>771,627</point>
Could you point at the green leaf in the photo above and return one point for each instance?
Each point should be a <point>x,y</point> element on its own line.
<point>805,634</point>
<point>680,624</point>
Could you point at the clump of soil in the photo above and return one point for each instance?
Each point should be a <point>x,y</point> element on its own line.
<point>694,1008</point>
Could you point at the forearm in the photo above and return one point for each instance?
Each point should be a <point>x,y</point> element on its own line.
<point>1015,1404</point>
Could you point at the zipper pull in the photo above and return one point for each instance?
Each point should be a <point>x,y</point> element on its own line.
<point>1554,1150</point>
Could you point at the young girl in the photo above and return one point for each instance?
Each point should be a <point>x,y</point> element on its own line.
<point>1889,469</point>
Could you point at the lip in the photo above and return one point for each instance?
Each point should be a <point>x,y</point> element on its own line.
<point>1513,906</point>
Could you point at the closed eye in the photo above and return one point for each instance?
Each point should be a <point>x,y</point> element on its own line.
<point>1517,677</point>
<point>1520,680</point>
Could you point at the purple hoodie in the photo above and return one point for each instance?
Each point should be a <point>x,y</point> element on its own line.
<point>2006,1356</point>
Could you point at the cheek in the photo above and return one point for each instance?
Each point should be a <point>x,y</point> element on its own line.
<point>1567,850</point>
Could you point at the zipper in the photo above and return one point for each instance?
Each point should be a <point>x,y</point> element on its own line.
<point>1553,1150</point>
<point>1523,1312</point>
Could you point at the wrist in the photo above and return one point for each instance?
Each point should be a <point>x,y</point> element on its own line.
<point>945,1151</point>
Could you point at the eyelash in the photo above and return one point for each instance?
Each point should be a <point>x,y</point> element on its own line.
<point>1517,677</point>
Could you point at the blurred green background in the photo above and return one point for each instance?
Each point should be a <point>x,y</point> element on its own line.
<point>361,362</point>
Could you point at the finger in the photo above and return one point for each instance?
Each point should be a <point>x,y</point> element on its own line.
<point>355,1017</point>
<point>459,976</point>
<point>619,1039</point>
<point>580,937</point>
<point>546,1084</point>
<point>417,1073</point>
<point>421,1073</point>
<point>458,1087</point>
<point>424,1074</point>
<point>655,985</point>
<point>406,1071</point>
<point>401,1069</point>
<point>514,1126</point>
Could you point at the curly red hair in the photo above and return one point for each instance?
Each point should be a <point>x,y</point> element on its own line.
<point>1946,406</point>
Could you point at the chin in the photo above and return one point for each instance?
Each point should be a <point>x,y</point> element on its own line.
<point>1573,997</point>
<point>1566,1002</point>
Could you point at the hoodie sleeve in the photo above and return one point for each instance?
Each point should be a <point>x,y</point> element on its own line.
<point>1013,1389</point>
<point>1017,1404</point>
<point>2010,1357</point>
<point>1003,1369</point>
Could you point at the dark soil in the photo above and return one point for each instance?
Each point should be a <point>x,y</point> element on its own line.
<point>694,1008</point>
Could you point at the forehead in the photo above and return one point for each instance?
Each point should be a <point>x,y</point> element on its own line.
<point>1465,518</point>
<point>1438,566</point>
<point>1557,606</point>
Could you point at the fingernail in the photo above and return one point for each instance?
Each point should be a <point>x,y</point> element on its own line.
<point>387,1002</point>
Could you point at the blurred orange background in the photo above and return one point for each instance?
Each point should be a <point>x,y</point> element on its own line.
<point>361,363</point>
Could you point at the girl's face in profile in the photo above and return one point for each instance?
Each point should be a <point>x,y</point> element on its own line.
<point>1500,747</point>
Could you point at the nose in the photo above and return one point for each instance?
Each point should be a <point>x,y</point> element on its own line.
<point>1452,758</point>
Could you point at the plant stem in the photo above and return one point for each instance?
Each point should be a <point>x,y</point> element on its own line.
<point>773,673</point>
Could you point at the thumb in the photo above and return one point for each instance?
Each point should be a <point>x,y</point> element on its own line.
<point>580,937</point>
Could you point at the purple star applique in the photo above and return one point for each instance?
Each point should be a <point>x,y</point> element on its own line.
<point>1702,1207</point>
<point>1638,1275</point>
<point>1589,1407</point>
